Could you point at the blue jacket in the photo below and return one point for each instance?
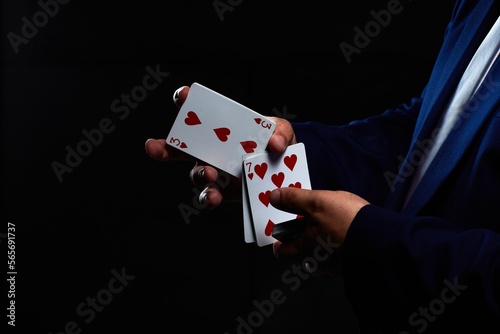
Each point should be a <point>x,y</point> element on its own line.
<point>433,265</point>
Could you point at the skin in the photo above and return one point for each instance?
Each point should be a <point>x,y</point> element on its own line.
<point>330,212</point>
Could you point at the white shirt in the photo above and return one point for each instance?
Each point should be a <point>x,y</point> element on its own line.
<point>476,71</point>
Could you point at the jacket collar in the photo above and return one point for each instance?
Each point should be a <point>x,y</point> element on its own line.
<point>464,36</point>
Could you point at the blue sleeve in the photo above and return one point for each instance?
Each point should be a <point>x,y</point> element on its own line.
<point>422,270</point>
<point>359,156</point>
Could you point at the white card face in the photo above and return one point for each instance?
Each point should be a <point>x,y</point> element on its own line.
<point>249,232</point>
<point>218,130</point>
<point>265,172</point>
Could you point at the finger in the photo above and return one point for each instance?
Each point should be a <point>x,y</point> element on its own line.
<point>158,149</point>
<point>319,205</point>
<point>294,251</point>
<point>210,197</point>
<point>283,135</point>
<point>287,252</point>
<point>302,252</point>
<point>202,175</point>
<point>180,95</point>
<point>294,200</point>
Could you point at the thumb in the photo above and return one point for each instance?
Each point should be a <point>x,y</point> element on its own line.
<point>290,199</point>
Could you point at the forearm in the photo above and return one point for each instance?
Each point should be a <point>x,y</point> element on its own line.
<point>412,264</point>
<point>358,156</point>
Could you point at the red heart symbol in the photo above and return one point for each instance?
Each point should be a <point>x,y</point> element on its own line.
<point>250,176</point>
<point>269,227</point>
<point>264,197</point>
<point>278,179</point>
<point>222,133</point>
<point>183,145</point>
<point>192,118</point>
<point>290,161</point>
<point>249,146</point>
<point>295,185</point>
<point>261,170</point>
<point>257,120</point>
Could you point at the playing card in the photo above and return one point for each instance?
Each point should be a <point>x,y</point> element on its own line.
<point>248,230</point>
<point>290,229</point>
<point>264,172</point>
<point>218,130</point>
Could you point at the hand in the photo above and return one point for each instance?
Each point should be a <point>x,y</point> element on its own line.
<point>205,176</point>
<point>330,215</point>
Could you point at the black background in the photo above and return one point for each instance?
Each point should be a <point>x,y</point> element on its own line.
<point>119,210</point>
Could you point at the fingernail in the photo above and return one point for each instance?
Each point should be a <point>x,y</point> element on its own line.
<point>309,268</point>
<point>177,93</point>
<point>146,146</point>
<point>280,143</point>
